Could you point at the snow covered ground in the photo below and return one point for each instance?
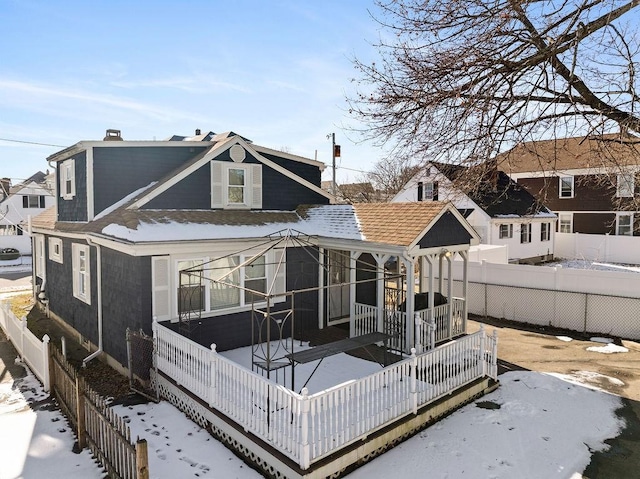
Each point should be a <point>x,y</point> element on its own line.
<point>534,426</point>
<point>594,265</point>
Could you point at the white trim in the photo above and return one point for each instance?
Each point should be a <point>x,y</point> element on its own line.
<point>573,187</point>
<point>620,179</point>
<point>39,263</point>
<point>81,252</point>
<point>566,214</point>
<point>572,172</point>
<point>65,167</point>
<point>53,243</point>
<point>89,185</point>
<point>630,226</point>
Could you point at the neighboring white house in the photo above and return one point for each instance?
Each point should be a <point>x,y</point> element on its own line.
<point>29,198</point>
<point>500,211</point>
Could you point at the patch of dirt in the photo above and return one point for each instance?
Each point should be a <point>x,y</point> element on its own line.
<point>101,377</point>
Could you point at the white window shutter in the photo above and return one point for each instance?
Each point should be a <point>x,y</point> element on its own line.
<point>72,166</point>
<point>256,186</point>
<point>160,295</point>
<point>216,185</point>
<point>75,259</point>
<point>279,275</point>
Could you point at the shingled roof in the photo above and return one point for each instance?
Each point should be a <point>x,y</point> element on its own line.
<point>497,194</point>
<point>571,153</point>
<point>397,224</point>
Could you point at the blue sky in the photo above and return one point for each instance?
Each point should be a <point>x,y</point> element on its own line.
<point>275,71</point>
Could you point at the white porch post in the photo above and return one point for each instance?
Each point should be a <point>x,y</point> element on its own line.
<point>353,257</point>
<point>410,302</point>
<point>465,286</point>
<point>380,260</point>
<point>321,290</point>
<point>440,278</point>
<point>450,293</point>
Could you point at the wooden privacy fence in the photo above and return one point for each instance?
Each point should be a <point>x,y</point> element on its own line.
<point>96,425</point>
<point>32,351</point>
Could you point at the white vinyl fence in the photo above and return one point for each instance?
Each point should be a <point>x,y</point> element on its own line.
<point>34,352</point>
<point>307,427</point>
<point>588,301</point>
<point>604,248</point>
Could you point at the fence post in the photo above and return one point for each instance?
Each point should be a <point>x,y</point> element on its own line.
<point>419,335</point>
<point>142,459</point>
<point>494,355</point>
<point>414,380</point>
<point>23,326</point>
<point>305,448</point>
<point>46,369</point>
<point>212,375</point>
<point>483,352</point>
<point>52,370</point>
<point>82,442</point>
<point>432,333</point>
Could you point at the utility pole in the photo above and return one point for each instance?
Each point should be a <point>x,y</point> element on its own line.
<point>335,152</point>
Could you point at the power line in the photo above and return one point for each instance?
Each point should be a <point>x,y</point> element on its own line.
<point>10,140</point>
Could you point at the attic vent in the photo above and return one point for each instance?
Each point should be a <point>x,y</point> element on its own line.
<point>112,135</point>
<point>198,132</point>
<point>237,153</point>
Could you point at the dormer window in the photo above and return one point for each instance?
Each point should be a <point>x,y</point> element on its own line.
<point>67,179</point>
<point>236,189</point>
<point>235,185</point>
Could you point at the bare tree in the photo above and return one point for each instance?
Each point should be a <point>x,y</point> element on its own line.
<point>463,80</point>
<point>389,175</point>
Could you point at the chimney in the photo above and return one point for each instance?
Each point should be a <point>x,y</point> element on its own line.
<point>198,132</point>
<point>112,135</point>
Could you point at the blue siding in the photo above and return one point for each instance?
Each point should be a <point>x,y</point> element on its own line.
<point>447,231</point>
<point>193,192</point>
<point>119,171</point>
<point>126,300</point>
<point>59,288</point>
<point>74,209</point>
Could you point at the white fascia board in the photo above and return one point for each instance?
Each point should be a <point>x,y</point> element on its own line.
<point>600,170</point>
<point>289,156</point>
<point>293,176</point>
<point>83,145</point>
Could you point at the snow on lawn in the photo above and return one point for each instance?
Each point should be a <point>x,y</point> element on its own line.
<point>608,349</point>
<point>533,426</point>
<point>178,447</point>
<point>36,440</point>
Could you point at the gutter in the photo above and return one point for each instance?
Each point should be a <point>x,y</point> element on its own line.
<point>99,351</point>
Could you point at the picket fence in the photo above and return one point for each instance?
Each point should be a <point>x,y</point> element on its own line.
<point>33,351</point>
<point>309,427</point>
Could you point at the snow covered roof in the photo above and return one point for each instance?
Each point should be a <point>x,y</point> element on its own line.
<point>397,224</point>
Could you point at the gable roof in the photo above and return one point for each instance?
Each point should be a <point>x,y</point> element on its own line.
<point>498,195</point>
<point>211,153</point>
<point>571,153</point>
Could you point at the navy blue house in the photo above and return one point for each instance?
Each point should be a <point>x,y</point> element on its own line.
<point>249,222</point>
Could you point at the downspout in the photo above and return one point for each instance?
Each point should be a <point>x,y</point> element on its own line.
<point>96,353</point>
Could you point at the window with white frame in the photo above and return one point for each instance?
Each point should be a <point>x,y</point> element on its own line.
<point>545,231</point>
<point>565,223</point>
<point>506,231</point>
<point>525,233</point>
<point>67,179</point>
<point>236,185</point>
<point>624,224</point>
<point>39,256</point>
<point>566,187</point>
<point>81,272</point>
<point>625,185</point>
<point>55,249</point>
<point>222,284</point>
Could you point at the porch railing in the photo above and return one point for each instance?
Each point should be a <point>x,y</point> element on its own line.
<point>430,329</point>
<point>308,427</point>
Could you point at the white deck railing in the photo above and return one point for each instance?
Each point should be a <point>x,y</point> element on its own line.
<point>306,427</point>
<point>429,329</point>
<point>34,352</point>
